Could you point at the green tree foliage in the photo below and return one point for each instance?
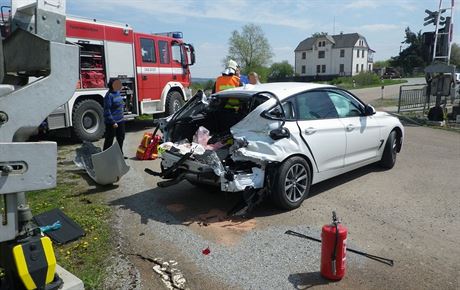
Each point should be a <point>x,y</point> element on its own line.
<point>455,55</point>
<point>382,63</point>
<point>280,70</point>
<point>413,55</point>
<point>250,48</point>
<point>319,34</point>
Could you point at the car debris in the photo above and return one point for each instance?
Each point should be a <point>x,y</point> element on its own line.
<point>104,167</point>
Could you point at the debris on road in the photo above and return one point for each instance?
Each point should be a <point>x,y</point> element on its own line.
<point>206,251</point>
<point>171,277</point>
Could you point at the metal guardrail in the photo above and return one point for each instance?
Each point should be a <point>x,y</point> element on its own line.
<point>412,97</point>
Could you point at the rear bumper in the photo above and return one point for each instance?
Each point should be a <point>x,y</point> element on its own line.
<point>229,181</point>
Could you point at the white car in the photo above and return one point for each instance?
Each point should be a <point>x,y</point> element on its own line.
<point>276,137</point>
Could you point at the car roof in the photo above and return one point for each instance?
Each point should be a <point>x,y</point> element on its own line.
<point>281,89</point>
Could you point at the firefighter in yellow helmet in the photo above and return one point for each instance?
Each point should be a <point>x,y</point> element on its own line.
<point>230,78</point>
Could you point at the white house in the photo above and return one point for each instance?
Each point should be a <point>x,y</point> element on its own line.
<point>333,55</point>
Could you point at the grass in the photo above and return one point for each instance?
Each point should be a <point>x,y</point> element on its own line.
<point>379,103</point>
<point>87,257</point>
<point>145,117</point>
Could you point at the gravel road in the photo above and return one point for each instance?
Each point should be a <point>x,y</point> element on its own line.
<point>409,214</point>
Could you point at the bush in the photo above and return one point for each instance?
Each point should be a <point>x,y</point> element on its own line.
<point>362,79</point>
<point>366,78</point>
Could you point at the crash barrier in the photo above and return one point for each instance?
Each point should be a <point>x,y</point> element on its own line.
<point>148,149</point>
<point>412,97</point>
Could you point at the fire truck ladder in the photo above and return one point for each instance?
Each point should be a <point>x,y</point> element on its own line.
<point>444,56</point>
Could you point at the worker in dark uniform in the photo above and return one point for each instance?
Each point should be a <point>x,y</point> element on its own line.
<point>113,115</point>
<point>230,78</point>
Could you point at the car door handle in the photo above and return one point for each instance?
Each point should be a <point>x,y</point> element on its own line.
<point>350,128</point>
<point>310,130</point>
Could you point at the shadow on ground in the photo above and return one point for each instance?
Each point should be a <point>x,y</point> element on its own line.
<point>307,280</point>
<point>187,204</point>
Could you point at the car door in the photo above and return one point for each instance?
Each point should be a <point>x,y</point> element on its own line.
<point>147,68</point>
<point>321,129</point>
<point>362,132</point>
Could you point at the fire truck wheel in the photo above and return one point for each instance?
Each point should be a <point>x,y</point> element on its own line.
<point>291,183</point>
<point>88,120</point>
<point>174,102</point>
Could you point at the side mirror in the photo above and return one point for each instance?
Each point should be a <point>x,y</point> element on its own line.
<point>280,133</point>
<point>369,110</point>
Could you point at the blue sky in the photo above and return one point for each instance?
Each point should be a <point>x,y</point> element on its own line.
<point>207,24</point>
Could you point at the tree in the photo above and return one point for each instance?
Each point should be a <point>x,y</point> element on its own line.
<point>250,48</point>
<point>412,56</point>
<point>280,70</point>
<point>455,54</point>
<point>382,63</point>
<point>319,34</point>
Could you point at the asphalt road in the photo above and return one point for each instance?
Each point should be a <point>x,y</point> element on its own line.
<point>409,214</point>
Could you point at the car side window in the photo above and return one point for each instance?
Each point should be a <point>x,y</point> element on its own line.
<point>315,105</point>
<point>345,105</point>
<point>288,108</point>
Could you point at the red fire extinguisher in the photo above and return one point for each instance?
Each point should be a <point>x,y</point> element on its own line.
<point>333,250</point>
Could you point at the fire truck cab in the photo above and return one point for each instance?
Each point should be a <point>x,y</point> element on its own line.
<point>154,70</point>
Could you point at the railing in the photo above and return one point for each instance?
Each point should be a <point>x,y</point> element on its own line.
<point>412,97</point>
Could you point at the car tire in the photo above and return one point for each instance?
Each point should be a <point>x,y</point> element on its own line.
<point>291,184</point>
<point>389,153</point>
<point>174,102</point>
<point>88,120</point>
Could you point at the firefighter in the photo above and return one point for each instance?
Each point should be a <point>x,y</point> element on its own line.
<point>230,78</point>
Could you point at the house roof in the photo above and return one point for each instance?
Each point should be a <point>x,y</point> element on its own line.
<point>339,41</point>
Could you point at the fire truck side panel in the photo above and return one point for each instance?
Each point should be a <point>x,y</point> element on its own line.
<point>119,59</point>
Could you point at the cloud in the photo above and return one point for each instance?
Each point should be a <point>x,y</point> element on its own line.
<point>241,11</point>
<point>379,27</point>
<point>359,4</point>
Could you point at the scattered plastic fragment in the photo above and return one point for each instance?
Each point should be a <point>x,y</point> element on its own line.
<point>206,251</point>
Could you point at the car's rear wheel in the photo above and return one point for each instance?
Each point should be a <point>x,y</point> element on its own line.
<point>291,183</point>
<point>389,153</point>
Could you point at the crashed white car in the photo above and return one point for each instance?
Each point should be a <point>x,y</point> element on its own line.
<point>278,137</point>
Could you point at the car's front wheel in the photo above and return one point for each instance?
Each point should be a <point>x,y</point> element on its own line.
<point>389,152</point>
<point>291,183</point>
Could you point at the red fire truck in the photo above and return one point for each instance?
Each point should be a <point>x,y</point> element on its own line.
<point>154,70</point>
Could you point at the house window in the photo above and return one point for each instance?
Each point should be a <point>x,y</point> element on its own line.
<point>321,54</point>
<point>304,55</point>
<point>342,53</point>
<point>323,68</point>
<point>357,68</point>
<point>318,69</point>
<point>303,69</point>
<point>320,44</point>
<point>362,53</point>
<point>370,67</point>
<point>362,67</point>
<point>342,68</point>
<point>357,53</point>
<point>324,43</point>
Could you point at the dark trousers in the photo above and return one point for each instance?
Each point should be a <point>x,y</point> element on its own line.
<point>111,132</point>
